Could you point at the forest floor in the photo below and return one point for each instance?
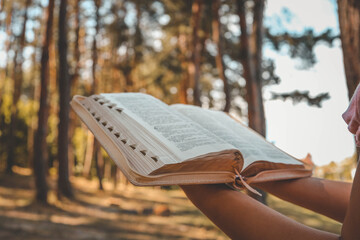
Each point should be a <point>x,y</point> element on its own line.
<point>126,212</point>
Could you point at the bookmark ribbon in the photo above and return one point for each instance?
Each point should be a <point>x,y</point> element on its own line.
<point>243,183</point>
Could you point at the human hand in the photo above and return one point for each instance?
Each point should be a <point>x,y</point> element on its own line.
<point>352,115</point>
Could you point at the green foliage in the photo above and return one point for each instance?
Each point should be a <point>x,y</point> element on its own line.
<point>298,96</point>
<point>301,45</point>
<point>78,140</point>
<point>21,129</point>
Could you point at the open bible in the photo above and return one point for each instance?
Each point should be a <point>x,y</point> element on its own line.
<point>157,144</point>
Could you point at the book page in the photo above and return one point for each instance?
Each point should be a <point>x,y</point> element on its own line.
<point>252,146</point>
<point>184,137</point>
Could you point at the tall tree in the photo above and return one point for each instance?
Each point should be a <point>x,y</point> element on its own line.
<point>99,160</point>
<point>4,73</point>
<point>251,60</point>
<point>245,58</point>
<point>73,84</point>
<point>64,186</point>
<point>89,151</point>
<point>138,46</point>
<point>8,22</point>
<point>216,36</point>
<point>18,80</point>
<point>195,46</point>
<point>349,19</point>
<point>184,81</point>
<point>39,159</point>
<point>94,52</point>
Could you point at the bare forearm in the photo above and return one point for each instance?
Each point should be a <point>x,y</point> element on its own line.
<point>351,224</point>
<point>241,217</point>
<point>329,198</point>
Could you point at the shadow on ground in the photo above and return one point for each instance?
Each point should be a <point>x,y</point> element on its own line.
<point>124,213</point>
<point>127,212</point>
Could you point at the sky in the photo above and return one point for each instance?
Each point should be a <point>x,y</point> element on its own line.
<point>300,129</point>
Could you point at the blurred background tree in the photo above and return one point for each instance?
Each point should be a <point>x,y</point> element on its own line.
<point>206,53</point>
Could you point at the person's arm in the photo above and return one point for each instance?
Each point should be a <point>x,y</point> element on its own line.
<point>350,229</point>
<point>330,198</point>
<point>241,217</point>
<point>351,224</point>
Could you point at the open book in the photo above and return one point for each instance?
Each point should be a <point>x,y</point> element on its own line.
<point>157,144</point>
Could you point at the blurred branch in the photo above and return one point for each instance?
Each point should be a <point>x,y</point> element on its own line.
<point>297,97</point>
<point>301,45</point>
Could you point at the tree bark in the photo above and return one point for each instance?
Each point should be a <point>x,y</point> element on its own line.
<point>4,73</point>
<point>195,46</point>
<point>252,66</point>
<point>88,154</point>
<point>248,68</point>
<point>94,87</point>
<point>73,87</point>
<point>256,105</point>
<point>184,81</point>
<point>216,36</point>
<point>35,89</point>
<point>138,48</point>
<point>64,186</point>
<point>349,20</point>
<point>115,175</point>
<point>8,22</point>
<point>99,163</point>
<point>39,160</point>
<point>18,80</point>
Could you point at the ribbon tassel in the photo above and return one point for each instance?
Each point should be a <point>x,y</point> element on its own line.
<point>243,183</point>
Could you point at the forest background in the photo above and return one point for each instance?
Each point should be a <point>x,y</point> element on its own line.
<point>206,53</point>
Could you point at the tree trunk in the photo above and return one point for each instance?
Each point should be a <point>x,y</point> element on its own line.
<point>138,48</point>
<point>39,160</point>
<point>94,48</point>
<point>253,85</point>
<point>73,87</point>
<point>18,80</point>
<point>349,20</point>
<point>218,58</point>
<point>248,69</point>
<point>8,22</point>
<point>184,81</point>
<point>99,162</point>
<point>88,154</point>
<point>195,46</point>
<point>107,170</point>
<point>251,71</point>
<point>64,186</point>
<point>115,171</point>
<point>35,88</point>
<point>4,74</point>
<point>257,122</point>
